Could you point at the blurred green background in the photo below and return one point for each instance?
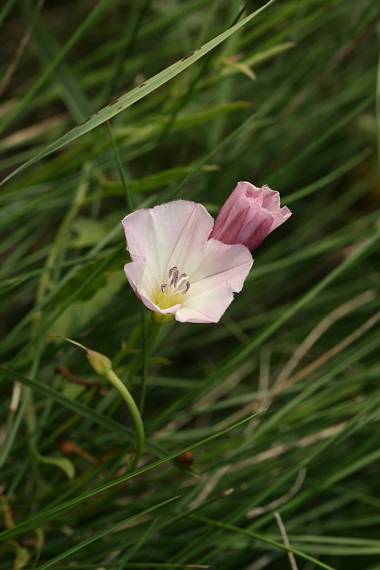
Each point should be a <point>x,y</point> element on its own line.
<point>291,98</point>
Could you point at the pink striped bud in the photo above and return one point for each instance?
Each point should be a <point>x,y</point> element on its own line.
<point>249,215</point>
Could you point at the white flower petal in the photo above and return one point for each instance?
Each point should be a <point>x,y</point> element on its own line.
<point>222,262</point>
<point>140,281</point>
<point>222,272</point>
<point>172,234</point>
<point>207,306</point>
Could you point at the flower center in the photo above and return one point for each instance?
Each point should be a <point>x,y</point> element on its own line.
<point>178,283</point>
<point>172,290</point>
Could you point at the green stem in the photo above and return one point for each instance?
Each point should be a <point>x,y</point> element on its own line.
<point>144,367</point>
<point>139,426</point>
<point>149,337</point>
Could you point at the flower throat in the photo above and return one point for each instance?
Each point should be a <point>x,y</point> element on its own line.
<point>171,292</point>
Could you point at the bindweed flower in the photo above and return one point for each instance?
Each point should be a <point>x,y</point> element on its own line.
<point>176,270</point>
<point>249,215</point>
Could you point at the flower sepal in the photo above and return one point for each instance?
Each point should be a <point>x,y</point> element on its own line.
<point>162,319</point>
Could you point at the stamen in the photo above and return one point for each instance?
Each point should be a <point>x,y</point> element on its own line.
<point>173,276</point>
<point>177,283</point>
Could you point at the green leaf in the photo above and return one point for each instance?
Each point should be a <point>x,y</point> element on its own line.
<point>22,557</point>
<point>79,313</point>
<point>68,403</point>
<point>88,232</point>
<point>130,98</point>
<point>118,527</point>
<point>54,511</point>
<point>61,462</point>
<point>48,49</point>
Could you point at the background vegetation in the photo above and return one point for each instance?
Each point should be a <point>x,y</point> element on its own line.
<point>288,99</point>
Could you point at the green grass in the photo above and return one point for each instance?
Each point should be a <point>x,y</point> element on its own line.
<point>108,106</point>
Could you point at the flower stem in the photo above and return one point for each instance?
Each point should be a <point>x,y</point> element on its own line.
<point>134,411</point>
<point>150,336</point>
<point>144,367</point>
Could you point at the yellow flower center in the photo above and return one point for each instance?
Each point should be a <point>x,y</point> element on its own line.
<point>172,291</point>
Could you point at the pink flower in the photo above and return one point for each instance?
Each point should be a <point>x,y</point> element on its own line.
<point>176,269</point>
<point>249,215</point>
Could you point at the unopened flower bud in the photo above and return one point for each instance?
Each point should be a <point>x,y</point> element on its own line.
<point>100,363</point>
<point>249,215</point>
